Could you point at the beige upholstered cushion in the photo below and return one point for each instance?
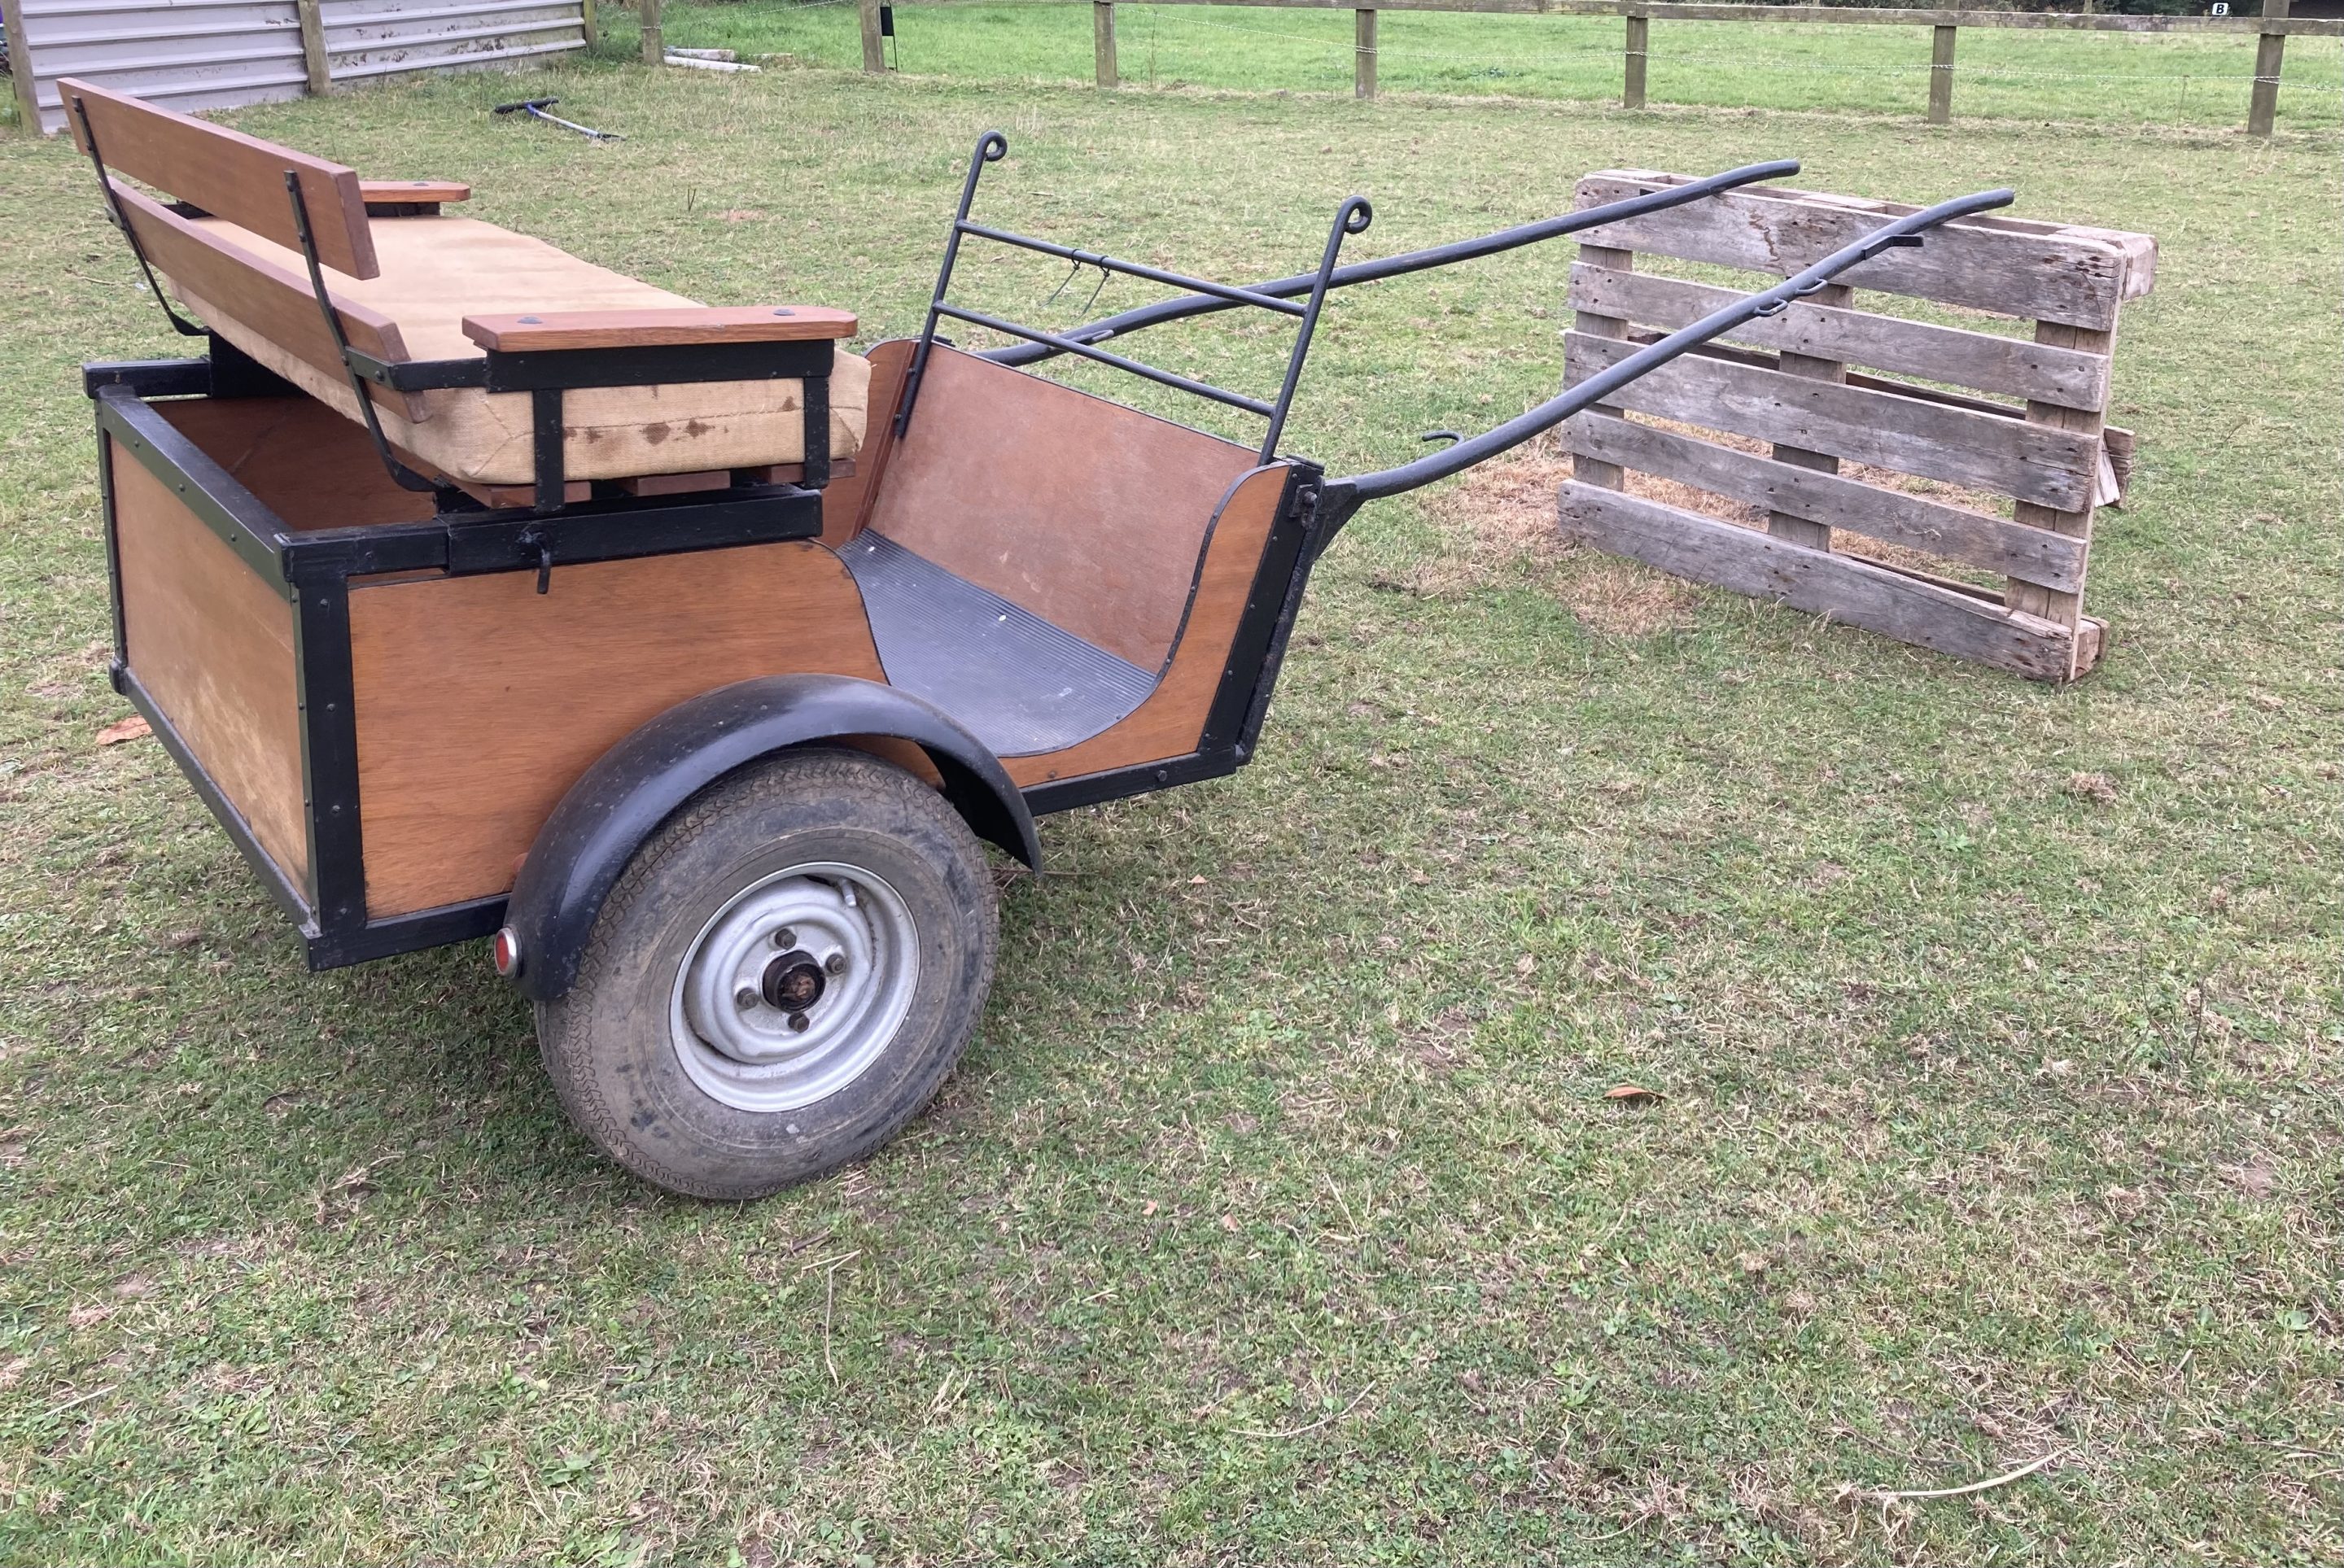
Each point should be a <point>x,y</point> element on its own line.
<point>435,271</point>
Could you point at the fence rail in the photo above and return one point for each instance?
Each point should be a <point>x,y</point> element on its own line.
<point>2270,30</point>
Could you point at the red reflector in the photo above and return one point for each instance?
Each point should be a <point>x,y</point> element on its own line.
<point>504,950</point>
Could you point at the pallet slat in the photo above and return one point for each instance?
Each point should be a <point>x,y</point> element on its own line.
<point>2039,463</point>
<point>2079,276</point>
<point>1974,539</point>
<point>1845,588</point>
<point>1981,361</point>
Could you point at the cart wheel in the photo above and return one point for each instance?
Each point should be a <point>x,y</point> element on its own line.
<point>779,980</point>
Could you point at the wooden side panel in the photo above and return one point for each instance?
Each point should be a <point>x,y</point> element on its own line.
<point>1172,719</point>
<point>2013,367</point>
<point>1847,587</point>
<point>1087,513</point>
<point>2038,463</point>
<point>213,645</point>
<point>2011,267</point>
<point>479,702</point>
<point>304,461</point>
<point>846,503</point>
<point>228,174</point>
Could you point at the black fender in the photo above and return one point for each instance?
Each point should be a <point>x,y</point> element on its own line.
<point>632,789</point>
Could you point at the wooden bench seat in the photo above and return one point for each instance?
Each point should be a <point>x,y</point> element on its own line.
<point>404,289</point>
<point>437,271</point>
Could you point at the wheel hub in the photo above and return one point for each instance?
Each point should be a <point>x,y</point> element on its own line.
<point>794,981</point>
<point>794,988</point>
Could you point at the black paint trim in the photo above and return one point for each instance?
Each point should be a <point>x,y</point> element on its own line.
<point>1091,788</point>
<point>254,532</point>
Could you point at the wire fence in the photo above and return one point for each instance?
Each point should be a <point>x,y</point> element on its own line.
<point>2163,71</point>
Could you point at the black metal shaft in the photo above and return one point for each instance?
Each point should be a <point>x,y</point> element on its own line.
<point>1352,217</point>
<point>1342,496</point>
<point>1502,240</point>
<point>1162,377</point>
<point>1229,292</point>
<point>991,148</point>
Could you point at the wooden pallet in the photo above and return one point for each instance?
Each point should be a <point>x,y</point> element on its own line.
<point>1762,423</point>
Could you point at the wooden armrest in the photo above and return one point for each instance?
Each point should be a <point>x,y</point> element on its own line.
<point>382,192</point>
<point>649,328</point>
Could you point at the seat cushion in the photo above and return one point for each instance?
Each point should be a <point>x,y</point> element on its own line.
<point>435,271</point>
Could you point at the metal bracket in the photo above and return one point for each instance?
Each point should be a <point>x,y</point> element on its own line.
<point>180,324</point>
<point>406,478</point>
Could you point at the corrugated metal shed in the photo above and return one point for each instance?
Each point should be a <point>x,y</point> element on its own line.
<point>216,53</point>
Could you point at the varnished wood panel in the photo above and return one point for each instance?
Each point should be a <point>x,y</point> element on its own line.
<point>685,324</point>
<point>1172,719</point>
<point>846,503</point>
<point>394,192</point>
<point>479,702</point>
<point>228,174</point>
<point>304,461</point>
<point>1085,512</point>
<point>213,645</point>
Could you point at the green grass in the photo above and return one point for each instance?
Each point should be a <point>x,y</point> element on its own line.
<point>1277,1213</point>
<point>2105,78</point>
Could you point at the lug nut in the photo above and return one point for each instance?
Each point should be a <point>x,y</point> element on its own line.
<point>800,1023</point>
<point>785,938</point>
<point>746,998</point>
<point>835,963</point>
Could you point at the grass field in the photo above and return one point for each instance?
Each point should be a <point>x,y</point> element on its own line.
<point>1279,1213</point>
<point>2108,79</point>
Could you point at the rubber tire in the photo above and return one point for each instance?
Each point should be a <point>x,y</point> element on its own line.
<point>606,1042</point>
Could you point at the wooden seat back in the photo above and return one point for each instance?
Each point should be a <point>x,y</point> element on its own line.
<point>225,172</point>
<point>240,179</point>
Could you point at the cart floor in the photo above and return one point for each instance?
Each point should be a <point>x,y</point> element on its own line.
<point>1020,684</point>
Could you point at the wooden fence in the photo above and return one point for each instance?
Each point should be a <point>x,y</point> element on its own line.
<point>2272,29</point>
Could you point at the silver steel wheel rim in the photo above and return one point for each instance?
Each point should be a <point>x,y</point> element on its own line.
<point>741,1029</point>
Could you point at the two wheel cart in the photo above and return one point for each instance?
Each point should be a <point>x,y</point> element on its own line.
<point>485,593</point>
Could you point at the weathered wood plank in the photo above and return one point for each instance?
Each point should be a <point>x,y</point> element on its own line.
<point>1591,470</point>
<point>2066,609</point>
<point>1973,538</point>
<point>1797,529</point>
<point>2015,267</point>
<point>1845,588</point>
<point>2010,365</point>
<point>2038,462</point>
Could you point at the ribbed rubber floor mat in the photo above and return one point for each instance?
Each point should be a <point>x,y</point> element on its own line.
<point>1019,683</point>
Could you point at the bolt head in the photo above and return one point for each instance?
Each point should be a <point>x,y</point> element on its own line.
<point>835,963</point>
<point>785,938</point>
<point>746,998</point>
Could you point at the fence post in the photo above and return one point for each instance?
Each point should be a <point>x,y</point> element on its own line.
<point>313,48</point>
<point>875,53</point>
<point>1640,37</point>
<point>2270,53</point>
<point>20,53</point>
<point>1363,54</point>
<point>654,46</point>
<point>1103,42</point>
<point>589,20</point>
<point>1941,76</point>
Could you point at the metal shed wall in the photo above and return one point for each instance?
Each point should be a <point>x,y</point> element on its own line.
<point>218,53</point>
